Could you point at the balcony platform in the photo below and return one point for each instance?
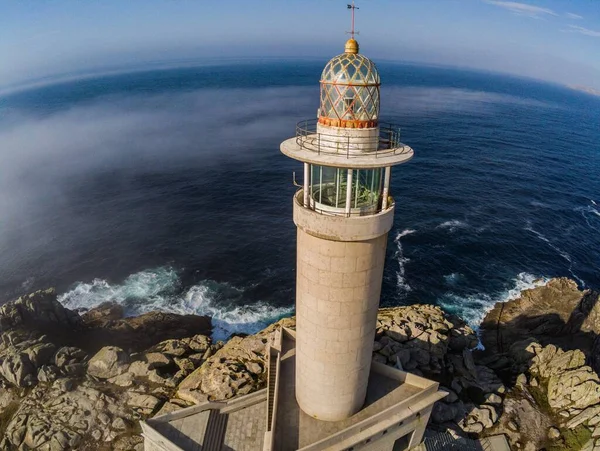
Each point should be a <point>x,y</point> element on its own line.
<point>308,150</point>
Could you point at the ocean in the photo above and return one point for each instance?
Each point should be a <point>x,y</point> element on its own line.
<point>165,189</point>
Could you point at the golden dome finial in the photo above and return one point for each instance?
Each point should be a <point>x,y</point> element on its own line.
<point>351,46</point>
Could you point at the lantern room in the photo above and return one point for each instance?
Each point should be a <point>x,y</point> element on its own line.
<point>350,90</point>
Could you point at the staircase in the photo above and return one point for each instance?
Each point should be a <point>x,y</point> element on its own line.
<point>215,431</point>
<point>271,389</point>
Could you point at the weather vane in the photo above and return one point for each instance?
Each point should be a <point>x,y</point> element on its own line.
<point>352,7</point>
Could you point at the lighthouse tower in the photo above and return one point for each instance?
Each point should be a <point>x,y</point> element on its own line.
<point>343,214</point>
<point>323,389</point>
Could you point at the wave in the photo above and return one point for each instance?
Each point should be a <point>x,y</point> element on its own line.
<point>560,252</point>
<point>160,289</point>
<point>452,279</point>
<point>586,212</point>
<point>535,203</point>
<point>473,308</point>
<point>453,225</point>
<point>401,283</point>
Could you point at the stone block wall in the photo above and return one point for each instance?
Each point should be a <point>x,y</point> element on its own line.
<point>337,300</point>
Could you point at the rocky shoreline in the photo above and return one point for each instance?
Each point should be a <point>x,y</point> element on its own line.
<point>84,381</point>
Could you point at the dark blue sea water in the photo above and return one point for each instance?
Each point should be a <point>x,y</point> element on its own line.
<point>166,189</point>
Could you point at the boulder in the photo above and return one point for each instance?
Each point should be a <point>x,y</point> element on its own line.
<point>109,362</point>
<point>235,369</point>
<point>557,313</point>
<point>18,370</point>
<point>68,355</point>
<point>40,309</point>
<point>40,353</point>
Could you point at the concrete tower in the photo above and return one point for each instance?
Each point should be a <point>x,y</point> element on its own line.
<point>343,214</point>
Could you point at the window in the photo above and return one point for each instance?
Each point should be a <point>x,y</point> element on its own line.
<point>329,189</point>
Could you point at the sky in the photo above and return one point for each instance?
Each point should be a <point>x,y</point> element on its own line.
<point>553,40</point>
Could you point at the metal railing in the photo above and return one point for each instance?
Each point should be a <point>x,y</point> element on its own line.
<point>386,143</point>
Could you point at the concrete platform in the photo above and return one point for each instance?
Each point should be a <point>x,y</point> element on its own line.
<point>397,405</point>
<point>238,424</point>
<point>394,416</point>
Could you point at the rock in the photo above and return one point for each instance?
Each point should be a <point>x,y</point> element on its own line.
<point>129,443</point>
<point>145,331</point>
<point>18,370</point>
<point>168,407</point>
<point>456,386</point>
<point>109,362</point>
<point>225,374</point>
<point>107,311</point>
<point>493,399</point>
<point>404,356</point>
<point>512,425</point>
<point>139,368</point>
<point>64,385</point>
<point>254,368</point>
<point>452,396</point>
<point>69,355</point>
<point>521,380</point>
<point>119,424</point>
<point>198,343</point>
<point>578,388</point>
<point>523,422</point>
<point>553,433</point>
<point>157,360</point>
<point>123,380</point>
<point>443,412</point>
<point>61,418</point>
<point>551,360</point>
<point>557,313</point>
<point>174,348</point>
<point>584,416</point>
<point>40,353</point>
<point>145,402</point>
<point>41,310</point>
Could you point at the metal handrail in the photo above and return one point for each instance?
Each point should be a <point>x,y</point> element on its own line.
<point>386,143</point>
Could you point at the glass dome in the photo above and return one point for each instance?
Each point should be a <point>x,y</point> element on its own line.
<point>349,92</point>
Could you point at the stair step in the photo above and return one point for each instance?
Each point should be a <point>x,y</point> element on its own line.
<point>215,431</point>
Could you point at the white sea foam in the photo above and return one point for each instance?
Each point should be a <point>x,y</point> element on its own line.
<point>199,300</point>
<point>403,286</point>
<point>590,215</point>
<point>473,308</point>
<point>535,203</point>
<point>160,289</point>
<point>453,225</point>
<point>452,279</point>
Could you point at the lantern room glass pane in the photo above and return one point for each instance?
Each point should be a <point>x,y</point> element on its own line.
<point>350,88</point>
<point>329,186</point>
<point>350,102</point>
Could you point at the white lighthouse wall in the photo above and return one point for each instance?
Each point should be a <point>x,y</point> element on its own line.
<point>337,299</point>
<point>342,140</point>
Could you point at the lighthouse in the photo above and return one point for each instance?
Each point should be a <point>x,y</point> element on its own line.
<point>343,214</point>
<point>323,390</point>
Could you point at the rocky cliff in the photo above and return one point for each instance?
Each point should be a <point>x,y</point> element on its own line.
<point>72,381</point>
